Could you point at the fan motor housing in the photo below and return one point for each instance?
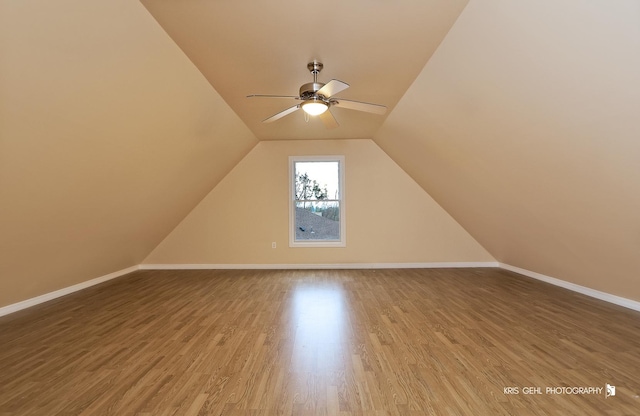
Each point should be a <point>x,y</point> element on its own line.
<point>309,90</point>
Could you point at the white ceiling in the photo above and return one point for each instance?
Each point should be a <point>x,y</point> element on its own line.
<point>378,47</point>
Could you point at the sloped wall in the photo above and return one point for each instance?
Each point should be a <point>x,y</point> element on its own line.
<point>389,218</point>
<point>108,138</point>
<point>524,126</point>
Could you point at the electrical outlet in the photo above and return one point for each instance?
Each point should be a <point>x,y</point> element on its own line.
<point>273,245</point>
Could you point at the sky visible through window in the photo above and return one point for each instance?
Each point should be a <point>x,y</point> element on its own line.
<point>325,173</point>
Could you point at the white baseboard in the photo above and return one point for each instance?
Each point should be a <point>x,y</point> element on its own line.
<point>607,297</point>
<point>15,307</point>
<point>290,266</point>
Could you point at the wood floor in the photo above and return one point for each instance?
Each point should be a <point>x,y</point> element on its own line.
<point>300,342</point>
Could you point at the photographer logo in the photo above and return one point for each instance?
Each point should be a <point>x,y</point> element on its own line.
<point>610,390</point>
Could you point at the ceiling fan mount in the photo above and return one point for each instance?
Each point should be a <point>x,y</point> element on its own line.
<point>315,67</point>
<point>317,97</point>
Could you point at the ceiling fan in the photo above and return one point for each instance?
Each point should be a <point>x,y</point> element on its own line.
<point>317,98</point>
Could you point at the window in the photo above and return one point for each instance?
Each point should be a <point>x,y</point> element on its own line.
<point>316,201</point>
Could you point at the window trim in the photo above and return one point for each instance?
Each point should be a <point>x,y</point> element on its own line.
<point>292,215</point>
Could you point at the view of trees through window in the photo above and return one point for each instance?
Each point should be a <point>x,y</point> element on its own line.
<point>317,200</point>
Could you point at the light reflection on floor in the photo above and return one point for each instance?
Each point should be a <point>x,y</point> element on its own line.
<point>321,324</point>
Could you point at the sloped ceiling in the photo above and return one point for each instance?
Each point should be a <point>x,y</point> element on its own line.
<point>263,47</point>
<point>108,138</point>
<point>524,126</point>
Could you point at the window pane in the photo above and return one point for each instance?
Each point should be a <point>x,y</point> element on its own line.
<point>317,220</point>
<point>317,180</point>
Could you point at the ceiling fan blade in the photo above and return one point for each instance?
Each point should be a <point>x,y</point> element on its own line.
<point>360,106</point>
<point>281,114</point>
<point>295,97</point>
<point>332,87</point>
<point>329,120</point>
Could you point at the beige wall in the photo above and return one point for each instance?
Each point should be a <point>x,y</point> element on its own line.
<point>108,138</point>
<point>389,218</point>
<point>524,126</point>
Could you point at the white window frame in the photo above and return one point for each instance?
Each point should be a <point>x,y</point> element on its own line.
<point>342,242</point>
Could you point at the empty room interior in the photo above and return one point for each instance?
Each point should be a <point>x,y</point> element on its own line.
<point>421,207</point>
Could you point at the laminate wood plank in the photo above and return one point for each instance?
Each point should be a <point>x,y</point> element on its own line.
<point>323,342</point>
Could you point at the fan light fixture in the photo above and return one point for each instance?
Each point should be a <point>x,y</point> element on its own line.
<point>314,107</point>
